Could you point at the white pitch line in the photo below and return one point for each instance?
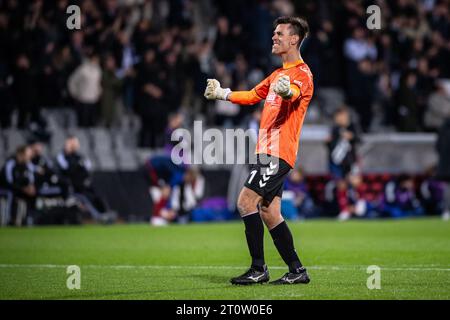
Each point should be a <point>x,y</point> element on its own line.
<point>324,267</point>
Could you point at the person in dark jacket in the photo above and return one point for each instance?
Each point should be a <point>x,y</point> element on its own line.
<point>76,169</point>
<point>297,201</point>
<point>24,91</point>
<point>432,192</point>
<point>47,180</point>
<point>17,176</point>
<point>342,144</point>
<point>443,170</point>
<point>400,198</point>
<point>408,105</point>
<point>73,166</point>
<point>112,86</point>
<point>54,203</point>
<point>150,101</point>
<point>7,108</point>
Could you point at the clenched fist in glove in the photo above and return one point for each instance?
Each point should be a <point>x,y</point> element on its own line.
<point>213,90</point>
<point>283,87</point>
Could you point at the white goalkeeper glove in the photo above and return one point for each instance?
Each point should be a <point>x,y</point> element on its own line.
<point>213,90</point>
<point>283,87</point>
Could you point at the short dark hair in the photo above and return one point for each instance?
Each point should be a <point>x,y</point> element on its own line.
<point>299,25</point>
<point>21,150</point>
<point>342,109</point>
<point>71,136</point>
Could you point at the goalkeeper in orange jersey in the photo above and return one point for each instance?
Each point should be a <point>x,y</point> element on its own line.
<point>287,93</point>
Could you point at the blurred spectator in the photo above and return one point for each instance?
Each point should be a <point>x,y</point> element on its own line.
<point>342,144</point>
<point>17,175</point>
<point>85,87</point>
<point>61,64</point>
<point>400,199</point>
<point>164,50</point>
<point>162,214</point>
<point>296,201</point>
<point>160,168</point>
<point>74,166</point>
<point>359,47</point>
<point>24,91</point>
<point>150,92</point>
<point>325,60</point>
<point>361,92</point>
<point>5,79</point>
<point>76,169</point>
<point>174,80</point>
<point>335,196</point>
<point>384,97</point>
<point>353,199</point>
<point>53,202</point>
<point>47,180</point>
<point>186,195</point>
<point>443,170</point>
<point>328,60</point>
<point>126,59</point>
<point>111,86</point>
<point>226,113</point>
<point>432,193</point>
<point>224,45</point>
<point>360,51</point>
<point>176,121</point>
<point>191,38</point>
<point>438,109</point>
<point>407,103</point>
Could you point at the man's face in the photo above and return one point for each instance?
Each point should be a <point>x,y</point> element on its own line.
<point>283,39</point>
<point>25,156</point>
<point>343,119</point>
<point>37,149</point>
<point>28,154</point>
<point>72,145</point>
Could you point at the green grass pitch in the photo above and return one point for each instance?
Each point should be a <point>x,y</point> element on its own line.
<point>196,261</point>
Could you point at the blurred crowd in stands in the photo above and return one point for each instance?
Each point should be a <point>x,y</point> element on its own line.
<point>349,193</point>
<point>346,192</point>
<point>35,189</point>
<point>150,59</point>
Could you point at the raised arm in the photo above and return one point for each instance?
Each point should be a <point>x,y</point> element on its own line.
<point>244,97</point>
<point>214,91</point>
<point>283,88</point>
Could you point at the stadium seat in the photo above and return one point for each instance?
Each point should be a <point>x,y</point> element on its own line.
<point>106,160</point>
<point>377,187</point>
<point>57,140</point>
<point>3,152</point>
<point>127,161</point>
<point>13,139</point>
<point>123,140</point>
<point>60,118</point>
<point>85,141</point>
<point>6,199</point>
<point>386,177</point>
<point>101,138</point>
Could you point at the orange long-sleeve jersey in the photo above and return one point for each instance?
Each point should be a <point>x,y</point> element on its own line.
<point>281,120</point>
